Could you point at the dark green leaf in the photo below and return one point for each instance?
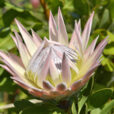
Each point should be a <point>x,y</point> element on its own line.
<point>99,98</point>
<point>2,3</point>
<point>9,16</point>
<point>20,105</point>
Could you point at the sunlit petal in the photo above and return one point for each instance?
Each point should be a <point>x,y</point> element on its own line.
<point>53,34</point>
<point>87,30</point>
<point>62,33</point>
<point>27,38</point>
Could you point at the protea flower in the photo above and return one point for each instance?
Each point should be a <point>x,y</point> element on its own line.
<point>53,68</point>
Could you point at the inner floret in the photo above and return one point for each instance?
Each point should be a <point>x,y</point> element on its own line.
<point>46,63</point>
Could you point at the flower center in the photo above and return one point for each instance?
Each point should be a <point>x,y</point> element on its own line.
<point>52,54</point>
<point>37,64</point>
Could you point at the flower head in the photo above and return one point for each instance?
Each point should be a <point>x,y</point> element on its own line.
<point>53,68</point>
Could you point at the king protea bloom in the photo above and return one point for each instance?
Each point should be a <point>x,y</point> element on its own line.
<point>57,67</point>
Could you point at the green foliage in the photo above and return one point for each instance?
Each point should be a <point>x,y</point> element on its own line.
<point>74,108</point>
<point>81,103</point>
<point>26,107</point>
<point>99,98</point>
<point>107,108</point>
<point>96,97</point>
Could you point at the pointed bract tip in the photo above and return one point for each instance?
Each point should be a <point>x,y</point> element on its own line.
<point>50,13</point>
<point>92,15</point>
<point>79,21</point>
<point>75,22</point>
<point>12,36</point>
<point>16,21</point>
<point>59,11</point>
<point>106,40</point>
<point>97,38</point>
<point>46,40</point>
<point>20,26</point>
<point>32,30</point>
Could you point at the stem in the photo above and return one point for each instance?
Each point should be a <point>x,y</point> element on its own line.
<point>14,95</point>
<point>65,105</point>
<point>5,97</point>
<point>46,10</point>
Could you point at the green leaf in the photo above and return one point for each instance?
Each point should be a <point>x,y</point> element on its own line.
<point>108,63</point>
<point>57,112</point>
<point>111,7</point>
<point>1,70</point>
<point>81,103</point>
<point>6,43</point>
<point>6,83</point>
<point>111,37</point>
<point>96,111</point>
<point>68,5</point>
<point>105,18</point>
<point>25,16</point>
<point>20,105</point>
<point>2,3</point>
<point>26,107</point>
<point>107,108</point>
<point>4,32</point>
<point>88,87</point>
<point>3,81</point>
<point>98,86</point>
<point>54,4</point>
<point>37,109</point>
<point>99,98</point>
<point>73,108</point>
<point>12,6</point>
<point>8,17</point>
<point>81,7</point>
<point>95,21</point>
<point>103,77</point>
<point>109,50</point>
